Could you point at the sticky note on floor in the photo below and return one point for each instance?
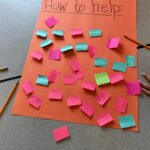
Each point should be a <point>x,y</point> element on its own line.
<point>76,32</point>
<point>102,78</point>
<point>66,48</point>
<point>35,102</point>
<point>100,62</point>
<point>37,55</point>
<point>61,133</point>
<point>127,121</point>
<point>50,22</point>
<point>81,46</point>
<point>55,95</point>
<point>73,101</point>
<point>46,43</point>
<point>75,66</point>
<point>104,119</point>
<point>42,80</point>
<point>113,43</point>
<point>95,33</point>
<point>115,78</point>
<point>27,87</point>
<point>53,75</point>
<point>88,86</point>
<point>119,66</point>
<point>69,79</point>
<point>42,33</point>
<point>92,50</point>
<point>55,54</point>
<point>58,33</point>
<point>130,61</point>
<point>133,88</point>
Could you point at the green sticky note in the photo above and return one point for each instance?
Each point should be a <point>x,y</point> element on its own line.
<point>102,78</point>
<point>46,42</point>
<point>42,80</point>
<point>42,33</point>
<point>100,62</point>
<point>66,48</point>
<point>118,66</point>
<point>127,121</point>
<point>58,32</point>
<point>81,46</point>
<point>130,61</point>
<point>95,33</point>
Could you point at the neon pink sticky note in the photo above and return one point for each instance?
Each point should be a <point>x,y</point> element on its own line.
<point>27,87</point>
<point>88,86</point>
<point>116,78</point>
<point>92,50</point>
<point>75,32</point>
<point>61,133</point>
<point>37,55</point>
<point>35,101</point>
<point>55,95</point>
<point>75,66</point>
<point>113,43</point>
<point>133,88</point>
<point>55,54</point>
<point>74,101</point>
<point>79,75</point>
<point>53,75</point>
<point>69,79</point>
<point>87,109</point>
<point>103,97</point>
<point>104,119</point>
<point>121,105</point>
<point>50,22</point>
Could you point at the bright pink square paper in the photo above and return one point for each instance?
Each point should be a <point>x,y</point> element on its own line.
<point>74,101</point>
<point>55,95</point>
<point>88,86</point>
<point>55,54</point>
<point>75,66</point>
<point>53,75</point>
<point>35,101</point>
<point>116,78</point>
<point>37,55</point>
<point>50,22</point>
<point>27,87</point>
<point>92,50</point>
<point>113,43</point>
<point>75,32</point>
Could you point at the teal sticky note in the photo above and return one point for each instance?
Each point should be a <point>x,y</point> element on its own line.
<point>66,48</point>
<point>100,62</point>
<point>58,32</point>
<point>127,121</point>
<point>42,33</point>
<point>81,46</point>
<point>118,66</point>
<point>42,80</point>
<point>95,33</point>
<point>130,61</point>
<point>46,43</point>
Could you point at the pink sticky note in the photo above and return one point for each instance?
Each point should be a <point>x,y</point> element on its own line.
<point>116,78</point>
<point>35,101</point>
<point>133,88</point>
<point>88,86</point>
<point>113,43</point>
<point>55,54</point>
<point>75,32</point>
<point>103,97</point>
<point>55,95</point>
<point>87,109</point>
<point>75,66</point>
<point>69,79</point>
<point>92,50</point>
<point>50,22</point>
<point>79,75</point>
<point>53,75</point>
<point>121,105</point>
<point>61,133</point>
<point>37,55</point>
<point>74,101</point>
<point>27,87</point>
<point>104,119</point>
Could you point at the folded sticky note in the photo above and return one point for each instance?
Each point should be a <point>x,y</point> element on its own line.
<point>115,78</point>
<point>55,95</point>
<point>127,121</point>
<point>66,48</point>
<point>118,66</point>
<point>104,119</point>
<point>92,50</point>
<point>27,87</point>
<point>58,32</point>
<point>113,42</point>
<point>69,79</point>
<point>87,109</point>
<point>42,80</point>
<point>75,66</point>
<point>42,33</point>
<point>74,101</point>
<point>133,88</point>
<point>61,133</point>
<point>88,86</point>
<point>35,101</point>
<point>81,46</point>
<point>53,75</point>
<point>102,78</point>
<point>75,32</point>
<point>46,43</point>
<point>50,22</point>
<point>100,62</point>
<point>130,61</point>
<point>37,55</point>
<point>121,105</point>
<point>103,97</point>
<point>55,54</point>
<point>95,33</point>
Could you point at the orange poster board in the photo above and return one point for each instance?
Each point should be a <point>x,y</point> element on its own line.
<point>115,18</point>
